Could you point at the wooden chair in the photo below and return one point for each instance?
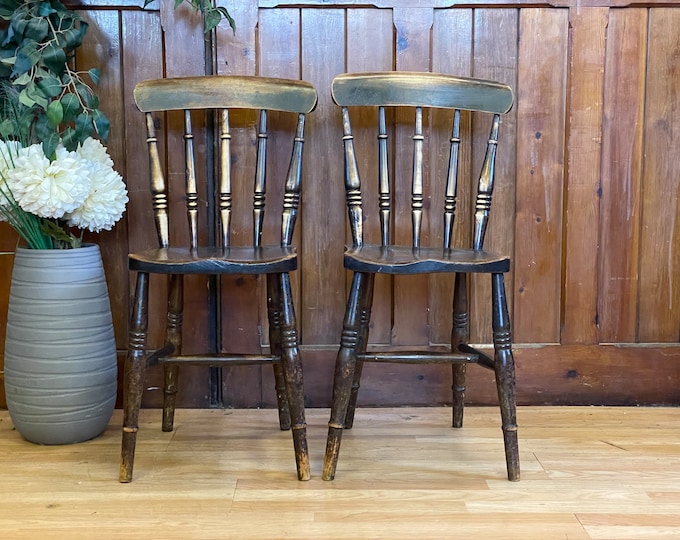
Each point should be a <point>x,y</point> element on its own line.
<point>418,92</point>
<point>202,100</point>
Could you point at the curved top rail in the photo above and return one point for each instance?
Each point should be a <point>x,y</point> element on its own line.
<point>421,89</point>
<point>225,91</point>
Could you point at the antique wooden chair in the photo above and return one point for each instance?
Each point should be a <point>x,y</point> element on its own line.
<point>414,93</point>
<point>184,250</point>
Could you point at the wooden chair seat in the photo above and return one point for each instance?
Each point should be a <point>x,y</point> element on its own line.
<point>408,260</point>
<point>215,261</point>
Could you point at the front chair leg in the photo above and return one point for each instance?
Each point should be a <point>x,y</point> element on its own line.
<point>173,336</point>
<point>504,365</point>
<point>274,309</point>
<point>133,385</point>
<point>291,365</point>
<point>352,342</point>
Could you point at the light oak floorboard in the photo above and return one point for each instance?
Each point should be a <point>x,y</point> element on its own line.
<point>587,473</point>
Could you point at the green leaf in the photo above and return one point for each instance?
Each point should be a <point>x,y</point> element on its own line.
<point>36,95</point>
<point>55,113</point>
<point>26,99</point>
<point>95,74</point>
<point>55,59</point>
<point>50,143</point>
<point>69,139</point>
<point>36,29</point>
<point>71,106</point>
<point>50,86</point>
<point>101,124</point>
<point>45,9</point>
<point>212,19</point>
<point>22,79</point>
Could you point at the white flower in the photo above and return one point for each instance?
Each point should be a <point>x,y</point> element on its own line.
<point>105,203</point>
<point>49,189</point>
<point>94,151</point>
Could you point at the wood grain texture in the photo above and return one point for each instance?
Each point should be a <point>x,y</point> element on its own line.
<point>616,246</point>
<point>660,209</point>
<point>621,170</point>
<point>404,473</point>
<point>541,103</point>
<point>582,210</point>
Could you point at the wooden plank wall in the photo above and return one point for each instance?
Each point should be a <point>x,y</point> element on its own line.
<point>588,173</point>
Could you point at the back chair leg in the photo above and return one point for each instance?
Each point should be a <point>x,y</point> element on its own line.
<point>173,336</point>
<point>291,365</point>
<point>352,342</point>
<point>133,384</point>
<point>505,375</point>
<point>274,308</point>
<point>460,335</point>
<point>366,301</point>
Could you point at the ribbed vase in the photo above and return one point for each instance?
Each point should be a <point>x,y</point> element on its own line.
<point>60,351</point>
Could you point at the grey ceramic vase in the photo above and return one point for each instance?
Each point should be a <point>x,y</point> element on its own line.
<point>60,351</point>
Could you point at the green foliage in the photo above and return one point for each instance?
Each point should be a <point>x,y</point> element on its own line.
<point>38,40</point>
<point>212,15</point>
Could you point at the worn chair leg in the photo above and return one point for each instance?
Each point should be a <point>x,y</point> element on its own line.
<point>291,364</point>
<point>505,375</point>
<point>460,334</point>
<point>135,365</point>
<point>364,322</point>
<point>173,336</point>
<point>352,342</point>
<point>274,308</point>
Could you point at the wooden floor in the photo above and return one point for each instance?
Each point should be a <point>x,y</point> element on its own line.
<point>587,472</point>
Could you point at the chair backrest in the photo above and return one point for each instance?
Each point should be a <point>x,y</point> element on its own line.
<point>418,91</point>
<point>208,100</point>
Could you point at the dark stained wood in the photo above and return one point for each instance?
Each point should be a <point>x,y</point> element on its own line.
<point>600,270</point>
<point>414,254</point>
<point>495,32</point>
<point>323,279</point>
<point>185,253</point>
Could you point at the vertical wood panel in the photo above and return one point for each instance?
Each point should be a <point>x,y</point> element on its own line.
<point>323,221</point>
<point>621,174</point>
<point>142,59</point>
<point>371,30</point>
<point>541,103</point>
<point>413,29</point>
<point>583,178</point>
<point>241,312</point>
<point>495,57</point>
<point>660,212</point>
<point>451,53</point>
<point>104,51</point>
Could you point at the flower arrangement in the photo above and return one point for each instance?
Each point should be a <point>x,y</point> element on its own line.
<point>55,174</point>
<point>42,198</point>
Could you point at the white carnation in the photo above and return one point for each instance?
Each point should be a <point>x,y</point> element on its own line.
<point>105,203</point>
<point>49,189</point>
<point>94,151</point>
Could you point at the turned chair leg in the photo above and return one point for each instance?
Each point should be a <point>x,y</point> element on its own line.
<point>460,335</point>
<point>505,375</point>
<point>173,336</point>
<point>274,308</point>
<point>135,365</point>
<point>291,365</point>
<point>353,341</point>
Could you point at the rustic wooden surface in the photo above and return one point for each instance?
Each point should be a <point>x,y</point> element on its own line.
<point>587,473</point>
<point>590,178</point>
